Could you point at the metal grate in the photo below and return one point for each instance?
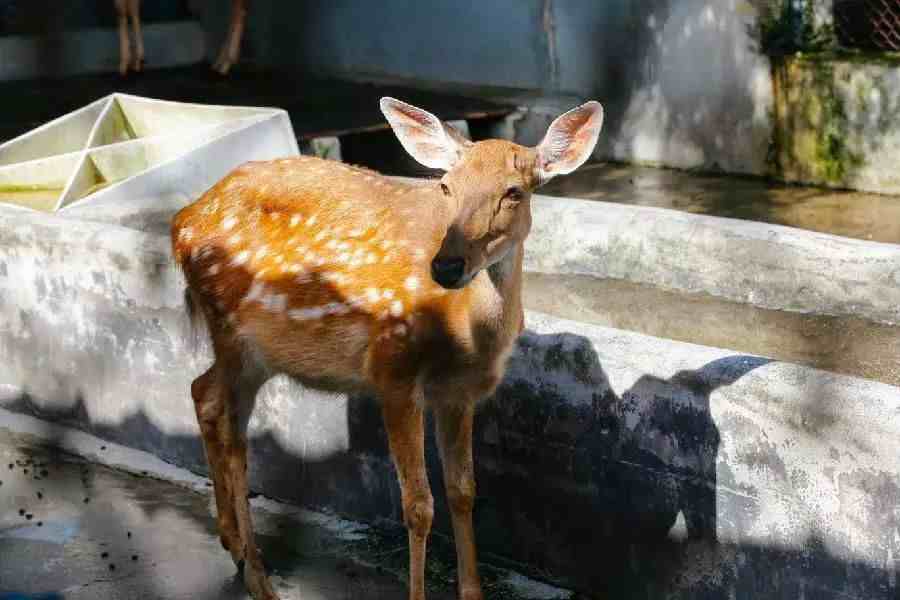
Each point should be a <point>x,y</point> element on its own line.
<point>868,24</point>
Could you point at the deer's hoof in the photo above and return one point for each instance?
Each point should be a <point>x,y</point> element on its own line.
<point>257,582</point>
<point>471,594</point>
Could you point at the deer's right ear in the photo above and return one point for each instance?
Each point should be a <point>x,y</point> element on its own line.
<point>569,141</point>
<point>427,139</point>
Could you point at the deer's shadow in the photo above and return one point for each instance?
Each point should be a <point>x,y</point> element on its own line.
<point>602,477</point>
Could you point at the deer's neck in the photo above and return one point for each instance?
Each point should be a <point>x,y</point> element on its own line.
<point>506,278</point>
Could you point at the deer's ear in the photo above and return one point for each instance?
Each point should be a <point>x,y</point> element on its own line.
<point>569,141</point>
<point>430,141</point>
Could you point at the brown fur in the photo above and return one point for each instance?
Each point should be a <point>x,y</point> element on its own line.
<point>322,271</point>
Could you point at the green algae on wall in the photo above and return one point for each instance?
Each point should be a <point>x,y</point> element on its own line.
<point>814,134</point>
<point>836,120</point>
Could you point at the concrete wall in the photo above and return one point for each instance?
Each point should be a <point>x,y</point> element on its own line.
<point>769,266</point>
<point>96,50</point>
<point>626,465</point>
<point>681,81</point>
<point>836,121</point>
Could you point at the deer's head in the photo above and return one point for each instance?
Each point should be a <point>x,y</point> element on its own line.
<point>488,184</point>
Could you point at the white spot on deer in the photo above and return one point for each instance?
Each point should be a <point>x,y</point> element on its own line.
<point>307,314</point>
<point>303,278</point>
<point>256,291</point>
<point>278,259</point>
<point>234,240</point>
<point>319,261</point>
<point>240,258</point>
<point>320,236</point>
<point>411,283</point>
<point>311,221</point>
<point>337,308</point>
<point>275,302</point>
<point>275,215</point>
<point>294,268</point>
<point>397,308</point>
<point>186,234</point>
<point>214,270</point>
<point>372,294</point>
<point>229,223</point>
<point>355,233</point>
<point>387,294</point>
<point>418,254</point>
<point>295,220</point>
<point>386,244</point>
<point>400,329</point>
<point>333,277</point>
<point>371,259</point>
<point>343,258</point>
<point>261,253</point>
<point>332,244</point>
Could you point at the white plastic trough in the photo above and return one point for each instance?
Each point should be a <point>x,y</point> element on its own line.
<point>118,147</point>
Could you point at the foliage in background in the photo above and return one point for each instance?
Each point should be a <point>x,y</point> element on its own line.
<point>781,28</point>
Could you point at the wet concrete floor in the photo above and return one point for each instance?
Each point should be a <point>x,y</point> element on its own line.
<point>851,214</point>
<point>847,345</point>
<point>70,529</point>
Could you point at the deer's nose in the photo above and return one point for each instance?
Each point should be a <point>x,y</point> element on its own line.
<point>448,272</point>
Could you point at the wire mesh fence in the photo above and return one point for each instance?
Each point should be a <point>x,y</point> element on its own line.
<point>868,24</point>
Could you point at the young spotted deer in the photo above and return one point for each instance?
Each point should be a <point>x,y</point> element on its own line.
<point>349,281</point>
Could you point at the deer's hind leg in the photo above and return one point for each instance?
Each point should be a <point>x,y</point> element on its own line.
<point>404,421</point>
<point>224,397</point>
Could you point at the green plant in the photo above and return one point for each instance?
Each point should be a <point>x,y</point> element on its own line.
<point>782,29</point>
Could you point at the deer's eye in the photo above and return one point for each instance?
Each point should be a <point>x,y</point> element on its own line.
<point>514,193</point>
<point>512,197</point>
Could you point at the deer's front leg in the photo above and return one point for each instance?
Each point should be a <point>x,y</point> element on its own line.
<point>454,435</point>
<point>404,421</point>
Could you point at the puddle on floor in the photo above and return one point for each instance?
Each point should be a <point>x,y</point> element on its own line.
<point>858,215</point>
<point>85,531</point>
<point>846,345</point>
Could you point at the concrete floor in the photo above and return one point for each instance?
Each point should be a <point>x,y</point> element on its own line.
<point>858,215</point>
<point>72,529</point>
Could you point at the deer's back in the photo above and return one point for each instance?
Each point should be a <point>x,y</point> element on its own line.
<point>324,269</point>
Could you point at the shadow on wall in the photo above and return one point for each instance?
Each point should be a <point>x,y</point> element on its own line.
<point>614,493</point>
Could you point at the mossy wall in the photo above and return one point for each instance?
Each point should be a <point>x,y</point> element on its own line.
<point>835,121</point>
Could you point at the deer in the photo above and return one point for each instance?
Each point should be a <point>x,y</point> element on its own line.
<point>350,281</point>
<point>129,11</point>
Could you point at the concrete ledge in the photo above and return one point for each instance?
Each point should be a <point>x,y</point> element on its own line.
<point>620,463</point>
<point>769,266</point>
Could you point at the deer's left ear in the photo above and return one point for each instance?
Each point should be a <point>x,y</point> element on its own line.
<point>430,141</point>
<point>569,141</point>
